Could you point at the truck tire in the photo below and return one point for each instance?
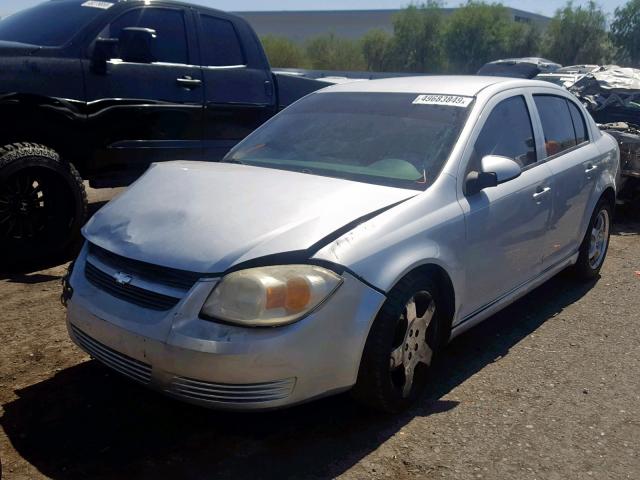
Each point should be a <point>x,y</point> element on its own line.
<point>43,205</point>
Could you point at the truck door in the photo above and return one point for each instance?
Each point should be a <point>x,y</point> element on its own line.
<point>239,90</point>
<point>141,113</point>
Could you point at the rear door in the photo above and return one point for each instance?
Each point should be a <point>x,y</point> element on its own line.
<point>573,159</point>
<point>506,225</point>
<point>239,92</point>
<point>140,113</point>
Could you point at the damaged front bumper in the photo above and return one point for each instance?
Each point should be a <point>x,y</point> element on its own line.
<point>222,366</point>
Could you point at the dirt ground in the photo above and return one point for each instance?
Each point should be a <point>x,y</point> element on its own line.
<point>547,389</point>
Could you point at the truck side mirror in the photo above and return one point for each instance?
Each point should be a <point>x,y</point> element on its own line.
<point>137,44</point>
<point>104,50</point>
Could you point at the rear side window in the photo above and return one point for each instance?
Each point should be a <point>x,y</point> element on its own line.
<point>508,133</point>
<point>557,123</point>
<point>171,43</point>
<point>578,123</point>
<point>220,44</point>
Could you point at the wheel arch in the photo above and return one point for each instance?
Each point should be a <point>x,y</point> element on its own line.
<point>445,283</point>
<point>45,121</point>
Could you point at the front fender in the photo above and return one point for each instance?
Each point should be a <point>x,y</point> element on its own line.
<point>386,248</point>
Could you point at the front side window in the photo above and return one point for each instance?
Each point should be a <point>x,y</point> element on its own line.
<point>508,133</point>
<point>171,42</point>
<point>383,138</point>
<point>50,24</point>
<point>557,124</point>
<point>220,45</point>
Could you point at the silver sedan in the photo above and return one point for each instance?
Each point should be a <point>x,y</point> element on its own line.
<point>345,242</point>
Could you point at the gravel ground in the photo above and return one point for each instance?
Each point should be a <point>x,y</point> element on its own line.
<point>547,389</point>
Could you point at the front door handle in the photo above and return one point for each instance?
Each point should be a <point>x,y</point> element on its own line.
<point>590,169</point>
<point>189,82</point>
<point>541,192</point>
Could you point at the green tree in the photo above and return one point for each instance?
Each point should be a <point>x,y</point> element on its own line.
<point>478,33</point>
<point>376,46</point>
<point>283,53</point>
<point>417,41</point>
<point>330,52</point>
<point>524,40</point>
<point>625,32</point>
<point>578,35</point>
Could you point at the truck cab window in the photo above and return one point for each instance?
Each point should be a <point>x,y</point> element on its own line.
<point>171,43</point>
<point>220,44</point>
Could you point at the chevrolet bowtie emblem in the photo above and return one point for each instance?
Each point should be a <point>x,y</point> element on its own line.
<point>122,278</point>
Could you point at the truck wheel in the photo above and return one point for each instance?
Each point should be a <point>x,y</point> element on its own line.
<point>43,204</point>
<point>401,345</point>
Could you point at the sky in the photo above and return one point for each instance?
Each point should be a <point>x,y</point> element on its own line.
<point>545,7</point>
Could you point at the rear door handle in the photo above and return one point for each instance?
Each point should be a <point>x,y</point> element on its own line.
<point>541,192</point>
<point>189,82</point>
<point>590,169</point>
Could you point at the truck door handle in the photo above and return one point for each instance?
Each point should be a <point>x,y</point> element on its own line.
<point>541,192</point>
<point>189,82</point>
<point>590,169</point>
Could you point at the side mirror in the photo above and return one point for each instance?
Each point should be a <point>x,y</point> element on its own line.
<point>495,170</point>
<point>504,168</point>
<point>104,50</point>
<point>137,44</point>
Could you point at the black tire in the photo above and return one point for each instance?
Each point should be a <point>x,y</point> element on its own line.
<point>587,268</point>
<point>380,383</point>
<point>43,205</point>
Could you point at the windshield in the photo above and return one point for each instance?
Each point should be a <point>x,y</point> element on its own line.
<point>394,139</point>
<point>50,24</point>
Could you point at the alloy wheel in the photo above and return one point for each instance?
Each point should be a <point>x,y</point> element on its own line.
<point>411,351</point>
<point>23,206</point>
<point>599,239</point>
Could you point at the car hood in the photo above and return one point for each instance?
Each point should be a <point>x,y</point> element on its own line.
<point>208,217</point>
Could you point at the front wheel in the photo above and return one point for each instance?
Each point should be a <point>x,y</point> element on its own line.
<point>401,346</point>
<point>42,204</point>
<point>595,244</point>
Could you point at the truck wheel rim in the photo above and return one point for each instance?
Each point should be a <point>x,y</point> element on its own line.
<point>23,206</point>
<point>411,350</point>
<point>599,239</point>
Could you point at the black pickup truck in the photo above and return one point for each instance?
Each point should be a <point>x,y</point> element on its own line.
<point>98,90</point>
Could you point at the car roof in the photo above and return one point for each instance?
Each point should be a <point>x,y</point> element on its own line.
<point>465,85</point>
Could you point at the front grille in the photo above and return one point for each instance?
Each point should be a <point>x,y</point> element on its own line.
<point>134,369</point>
<point>171,277</point>
<point>139,296</point>
<point>205,392</point>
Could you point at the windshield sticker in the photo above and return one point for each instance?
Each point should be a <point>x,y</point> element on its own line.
<point>102,5</point>
<point>449,100</point>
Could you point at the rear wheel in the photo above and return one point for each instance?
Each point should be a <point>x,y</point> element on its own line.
<point>42,204</point>
<point>595,244</point>
<point>401,346</point>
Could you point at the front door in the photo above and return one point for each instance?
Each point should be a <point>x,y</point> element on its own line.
<point>506,225</point>
<point>139,113</point>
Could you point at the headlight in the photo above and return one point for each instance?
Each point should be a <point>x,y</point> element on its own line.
<point>270,296</point>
